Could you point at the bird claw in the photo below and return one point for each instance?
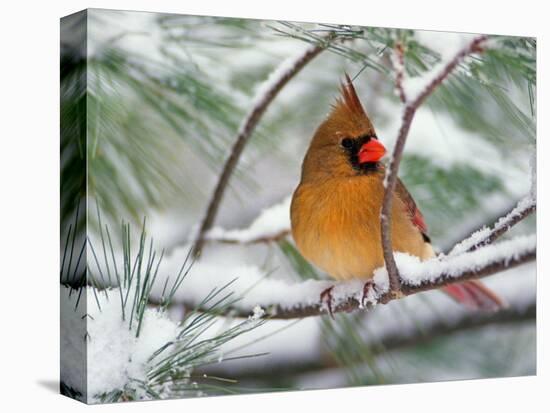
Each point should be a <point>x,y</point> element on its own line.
<point>326,296</point>
<point>369,285</point>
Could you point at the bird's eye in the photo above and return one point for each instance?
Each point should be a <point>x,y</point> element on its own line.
<point>347,143</point>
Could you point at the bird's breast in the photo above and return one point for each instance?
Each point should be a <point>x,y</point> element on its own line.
<point>336,226</point>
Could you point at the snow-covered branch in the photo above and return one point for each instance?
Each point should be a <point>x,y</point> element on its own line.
<point>486,235</point>
<point>286,301</point>
<point>264,96</point>
<point>412,102</point>
<point>271,225</point>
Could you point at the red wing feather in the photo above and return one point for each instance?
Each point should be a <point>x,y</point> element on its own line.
<point>413,211</point>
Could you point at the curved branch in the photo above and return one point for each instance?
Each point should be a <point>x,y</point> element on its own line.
<point>393,167</point>
<point>273,86</point>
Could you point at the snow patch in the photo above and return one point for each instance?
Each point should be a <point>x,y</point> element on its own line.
<point>415,272</point>
<point>484,233</point>
<point>270,222</point>
<point>280,72</point>
<point>115,356</point>
<point>533,170</point>
<point>415,86</point>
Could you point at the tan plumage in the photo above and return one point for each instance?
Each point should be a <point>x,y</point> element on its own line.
<point>335,210</point>
<point>336,225</point>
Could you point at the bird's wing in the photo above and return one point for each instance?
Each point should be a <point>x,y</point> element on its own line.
<point>471,293</point>
<point>413,211</point>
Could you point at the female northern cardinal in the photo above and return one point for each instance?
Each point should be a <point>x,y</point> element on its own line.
<point>335,210</point>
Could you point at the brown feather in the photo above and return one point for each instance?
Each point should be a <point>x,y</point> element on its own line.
<point>336,226</point>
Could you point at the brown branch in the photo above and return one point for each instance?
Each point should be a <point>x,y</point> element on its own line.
<point>393,167</point>
<point>399,66</point>
<point>245,131</point>
<point>352,303</point>
<point>260,240</point>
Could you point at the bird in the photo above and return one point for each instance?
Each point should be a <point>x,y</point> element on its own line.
<point>335,209</point>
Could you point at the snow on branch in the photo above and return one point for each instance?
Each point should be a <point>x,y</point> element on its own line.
<point>272,224</point>
<point>264,96</point>
<point>486,235</point>
<point>428,83</point>
<point>283,300</point>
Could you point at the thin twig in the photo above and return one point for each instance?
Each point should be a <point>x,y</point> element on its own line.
<point>393,167</point>
<point>399,66</point>
<point>245,131</point>
<point>265,239</point>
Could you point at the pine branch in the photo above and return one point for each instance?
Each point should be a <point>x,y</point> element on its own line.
<point>393,167</point>
<point>261,103</point>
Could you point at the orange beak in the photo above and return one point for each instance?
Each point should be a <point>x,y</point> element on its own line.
<point>372,151</point>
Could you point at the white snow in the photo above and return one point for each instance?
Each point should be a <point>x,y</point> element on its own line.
<point>438,137</point>
<point>533,170</point>
<point>250,284</point>
<point>485,232</point>
<point>415,272</point>
<point>257,313</point>
<point>73,341</point>
<point>415,86</point>
<point>282,70</point>
<point>114,355</point>
<point>291,342</point>
<point>270,222</point>
<point>99,346</point>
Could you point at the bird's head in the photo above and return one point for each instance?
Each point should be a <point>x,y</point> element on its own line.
<point>345,144</point>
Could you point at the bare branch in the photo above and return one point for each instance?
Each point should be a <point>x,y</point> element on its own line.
<point>245,131</point>
<point>485,236</point>
<point>393,167</point>
<point>399,66</point>
<point>259,240</point>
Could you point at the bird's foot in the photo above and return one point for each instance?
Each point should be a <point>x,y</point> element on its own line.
<point>368,287</point>
<point>326,297</point>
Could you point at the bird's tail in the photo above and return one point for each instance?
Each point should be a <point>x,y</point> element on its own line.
<point>475,295</point>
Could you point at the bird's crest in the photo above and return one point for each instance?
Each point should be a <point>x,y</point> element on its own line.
<point>348,111</point>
